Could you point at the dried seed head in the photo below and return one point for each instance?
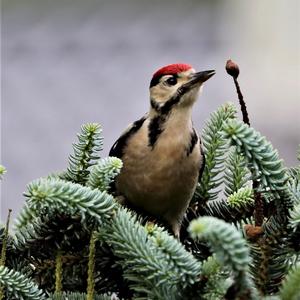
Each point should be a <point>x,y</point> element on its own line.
<point>253,233</point>
<point>232,68</point>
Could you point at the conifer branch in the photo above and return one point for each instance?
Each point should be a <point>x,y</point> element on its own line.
<point>81,296</point>
<point>215,147</point>
<point>58,273</point>
<point>86,151</point>
<point>215,280</point>
<point>187,267</point>
<point>4,249</point>
<point>53,194</point>
<point>262,158</point>
<point>2,171</point>
<point>295,216</point>
<point>236,173</point>
<point>269,258</point>
<point>103,173</point>
<point>230,250</point>
<point>291,288</point>
<point>227,243</point>
<point>293,184</point>
<point>19,286</point>
<point>145,265</point>
<point>47,234</point>
<point>26,215</point>
<point>222,209</point>
<point>91,268</point>
<point>242,199</point>
<point>4,240</point>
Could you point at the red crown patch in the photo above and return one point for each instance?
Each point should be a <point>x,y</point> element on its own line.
<point>172,69</point>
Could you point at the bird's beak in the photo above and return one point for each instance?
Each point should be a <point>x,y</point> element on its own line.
<point>203,76</point>
<point>198,78</point>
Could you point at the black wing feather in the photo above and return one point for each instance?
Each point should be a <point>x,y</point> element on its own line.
<point>117,150</point>
<point>201,170</point>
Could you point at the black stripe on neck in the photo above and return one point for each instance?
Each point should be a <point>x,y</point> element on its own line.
<point>155,105</point>
<point>167,107</point>
<point>193,142</point>
<point>119,146</point>
<point>155,129</point>
<point>156,125</point>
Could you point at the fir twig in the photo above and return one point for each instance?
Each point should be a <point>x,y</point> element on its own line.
<point>2,171</point>
<point>215,147</point>
<point>56,194</point>
<point>85,153</point>
<point>103,173</point>
<point>263,160</point>
<point>290,288</point>
<point>230,250</point>
<point>19,286</point>
<point>4,248</point>
<point>153,272</point>
<point>58,273</point>
<point>91,268</point>
<point>236,173</point>
<point>4,241</point>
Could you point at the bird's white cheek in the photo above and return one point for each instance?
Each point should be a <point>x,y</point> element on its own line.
<point>191,97</point>
<point>163,94</point>
<point>200,90</point>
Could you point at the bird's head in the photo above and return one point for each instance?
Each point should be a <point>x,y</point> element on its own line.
<point>176,85</point>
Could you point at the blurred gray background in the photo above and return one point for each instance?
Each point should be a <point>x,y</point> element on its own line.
<point>65,63</point>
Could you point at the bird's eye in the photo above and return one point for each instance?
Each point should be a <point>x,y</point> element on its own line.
<point>171,81</point>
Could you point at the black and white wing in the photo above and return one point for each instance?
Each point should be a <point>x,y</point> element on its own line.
<point>117,150</point>
<point>201,170</point>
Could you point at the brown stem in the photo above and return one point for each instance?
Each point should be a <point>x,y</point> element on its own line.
<point>242,102</point>
<point>259,208</point>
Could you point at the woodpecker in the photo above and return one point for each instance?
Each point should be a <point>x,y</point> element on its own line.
<point>161,152</point>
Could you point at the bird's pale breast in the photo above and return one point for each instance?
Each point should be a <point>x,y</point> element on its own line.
<point>162,179</point>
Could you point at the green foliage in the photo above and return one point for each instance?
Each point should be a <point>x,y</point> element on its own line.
<point>86,151</point>
<point>236,174</point>
<point>237,207</point>
<point>227,243</point>
<point>2,171</point>
<point>91,268</point>
<point>295,216</point>
<point>155,264</point>
<point>19,286</point>
<point>103,173</point>
<point>46,234</point>
<point>230,249</point>
<point>58,195</point>
<point>270,253</point>
<point>293,184</point>
<point>291,288</point>
<point>215,147</point>
<point>73,234</point>
<point>217,281</point>
<point>262,158</point>
<point>242,198</point>
<point>80,296</point>
<point>182,262</point>
<point>58,272</point>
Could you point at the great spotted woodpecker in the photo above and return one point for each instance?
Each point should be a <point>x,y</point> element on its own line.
<point>161,152</point>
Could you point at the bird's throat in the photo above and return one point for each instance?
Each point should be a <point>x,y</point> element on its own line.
<point>177,122</point>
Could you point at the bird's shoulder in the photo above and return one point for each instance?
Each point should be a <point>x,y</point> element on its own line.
<point>118,147</point>
<point>202,166</point>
